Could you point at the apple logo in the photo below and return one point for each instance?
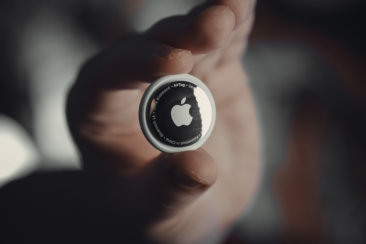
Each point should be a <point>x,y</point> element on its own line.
<point>180,114</point>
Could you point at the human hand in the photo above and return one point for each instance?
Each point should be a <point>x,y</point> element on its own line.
<point>184,197</point>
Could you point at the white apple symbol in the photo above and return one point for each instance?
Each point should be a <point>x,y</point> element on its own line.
<point>180,114</point>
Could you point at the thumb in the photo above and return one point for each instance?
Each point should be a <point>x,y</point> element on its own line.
<point>177,180</point>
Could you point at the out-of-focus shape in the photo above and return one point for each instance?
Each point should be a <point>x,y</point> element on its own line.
<point>18,155</point>
<point>52,52</point>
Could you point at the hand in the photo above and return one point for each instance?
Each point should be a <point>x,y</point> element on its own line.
<point>183,197</point>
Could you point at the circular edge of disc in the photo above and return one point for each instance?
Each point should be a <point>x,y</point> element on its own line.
<point>146,99</point>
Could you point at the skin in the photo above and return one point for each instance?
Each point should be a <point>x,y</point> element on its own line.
<point>186,197</point>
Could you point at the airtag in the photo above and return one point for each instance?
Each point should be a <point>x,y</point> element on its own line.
<point>177,113</point>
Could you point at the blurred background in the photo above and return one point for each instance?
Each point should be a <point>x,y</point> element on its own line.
<point>306,63</point>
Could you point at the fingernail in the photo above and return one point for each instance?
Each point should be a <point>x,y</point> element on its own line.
<point>164,51</point>
<point>184,179</point>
